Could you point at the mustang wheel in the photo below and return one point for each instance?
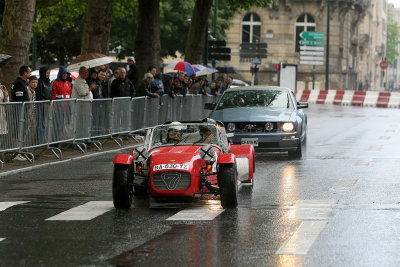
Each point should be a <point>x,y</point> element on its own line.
<point>122,187</point>
<point>227,181</point>
<point>296,154</point>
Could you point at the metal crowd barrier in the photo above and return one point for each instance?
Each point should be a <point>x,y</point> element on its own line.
<point>47,124</point>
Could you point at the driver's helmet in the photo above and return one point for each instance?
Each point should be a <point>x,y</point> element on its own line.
<point>175,128</point>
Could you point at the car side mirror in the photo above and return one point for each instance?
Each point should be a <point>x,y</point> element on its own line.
<point>209,106</point>
<point>302,105</point>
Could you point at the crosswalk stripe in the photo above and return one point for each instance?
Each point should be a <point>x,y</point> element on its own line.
<point>303,238</point>
<point>197,214</point>
<point>343,184</point>
<point>312,209</point>
<point>84,212</point>
<point>7,204</point>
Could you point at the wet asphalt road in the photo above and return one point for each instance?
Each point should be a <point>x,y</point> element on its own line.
<point>337,206</point>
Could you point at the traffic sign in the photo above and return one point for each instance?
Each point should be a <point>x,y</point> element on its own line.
<point>308,62</point>
<point>216,43</point>
<point>253,50</point>
<point>313,35</point>
<point>384,64</point>
<point>312,48</point>
<point>312,43</point>
<point>312,53</point>
<point>219,50</point>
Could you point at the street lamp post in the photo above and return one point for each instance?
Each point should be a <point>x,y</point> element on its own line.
<point>327,47</point>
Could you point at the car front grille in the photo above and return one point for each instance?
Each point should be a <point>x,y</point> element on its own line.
<point>254,127</point>
<point>171,180</point>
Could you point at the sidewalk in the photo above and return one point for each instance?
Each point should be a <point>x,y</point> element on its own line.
<point>46,158</point>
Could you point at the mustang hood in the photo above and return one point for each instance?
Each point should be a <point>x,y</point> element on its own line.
<point>175,155</point>
<point>251,114</point>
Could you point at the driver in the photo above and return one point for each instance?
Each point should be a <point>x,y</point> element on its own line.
<point>174,132</point>
<point>207,135</point>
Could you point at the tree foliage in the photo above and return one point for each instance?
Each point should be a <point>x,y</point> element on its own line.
<point>393,40</point>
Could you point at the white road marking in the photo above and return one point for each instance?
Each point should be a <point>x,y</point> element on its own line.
<point>343,184</point>
<point>1,239</point>
<point>362,162</point>
<point>319,209</point>
<point>6,205</point>
<point>375,148</point>
<point>302,240</point>
<point>87,211</point>
<point>197,214</point>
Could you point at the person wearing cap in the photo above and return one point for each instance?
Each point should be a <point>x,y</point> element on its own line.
<point>133,73</point>
<point>174,132</point>
<point>61,87</point>
<point>145,87</point>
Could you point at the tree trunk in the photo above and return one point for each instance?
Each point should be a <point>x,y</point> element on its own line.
<point>147,42</point>
<point>16,37</point>
<point>96,31</point>
<point>195,44</point>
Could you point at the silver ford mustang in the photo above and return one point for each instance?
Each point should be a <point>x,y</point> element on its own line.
<point>268,117</point>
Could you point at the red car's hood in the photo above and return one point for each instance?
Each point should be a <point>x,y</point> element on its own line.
<point>175,155</point>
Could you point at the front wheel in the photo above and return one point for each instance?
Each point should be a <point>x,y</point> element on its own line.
<point>122,187</point>
<point>227,181</point>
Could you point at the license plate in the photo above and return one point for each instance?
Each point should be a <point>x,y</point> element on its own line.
<point>250,141</point>
<point>171,167</point>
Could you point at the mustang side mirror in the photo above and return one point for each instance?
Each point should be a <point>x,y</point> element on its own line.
<point>302,105</point>
<point>210,106</point>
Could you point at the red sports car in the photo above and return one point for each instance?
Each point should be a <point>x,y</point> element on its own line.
<point>183,159</point>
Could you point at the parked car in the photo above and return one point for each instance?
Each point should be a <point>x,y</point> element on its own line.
<point>183,160</point>
<point>269,118</point>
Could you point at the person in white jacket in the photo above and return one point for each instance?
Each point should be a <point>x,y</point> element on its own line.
<point>81,89</point>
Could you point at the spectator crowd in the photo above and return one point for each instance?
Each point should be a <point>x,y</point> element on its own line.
<point>103,82</point>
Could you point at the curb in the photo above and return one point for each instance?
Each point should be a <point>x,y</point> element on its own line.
<point>31,168</point>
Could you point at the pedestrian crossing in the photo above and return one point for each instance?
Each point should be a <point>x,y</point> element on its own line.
<point>93,209</point>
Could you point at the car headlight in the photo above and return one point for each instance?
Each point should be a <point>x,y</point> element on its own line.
<point>288,127</point>
<point>269,126</point>
<point>207,153</point>
<point>140,153</point>
<point>230,127</point>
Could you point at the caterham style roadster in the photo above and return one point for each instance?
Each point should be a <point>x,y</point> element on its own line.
<point>183,160</point>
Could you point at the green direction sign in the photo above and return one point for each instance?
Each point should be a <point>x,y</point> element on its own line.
<point>313,35</point>
<point>312,43</point>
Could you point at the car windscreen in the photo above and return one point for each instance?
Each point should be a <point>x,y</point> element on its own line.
<point>255,98</point>
<point>184,134</point>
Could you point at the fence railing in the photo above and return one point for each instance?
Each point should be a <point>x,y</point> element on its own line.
<point>46,124</point>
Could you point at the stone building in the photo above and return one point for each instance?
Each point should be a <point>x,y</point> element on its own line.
<point>394,71</point>
<point>280,26</point>
<point>372,46</point>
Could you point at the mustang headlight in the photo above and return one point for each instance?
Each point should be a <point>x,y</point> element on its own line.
<point>140,153</point>
<point>288,127</point>
<point>208,153</point>
<point>230,127</point>
<point>269,126</point>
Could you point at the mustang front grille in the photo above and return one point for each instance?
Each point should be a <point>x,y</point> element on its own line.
<point>254,127</point>
<point>171,180</point>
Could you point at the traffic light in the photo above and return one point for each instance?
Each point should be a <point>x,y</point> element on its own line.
<point>278,66</point>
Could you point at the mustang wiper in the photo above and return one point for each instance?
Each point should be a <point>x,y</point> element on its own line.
<point>272,99</point>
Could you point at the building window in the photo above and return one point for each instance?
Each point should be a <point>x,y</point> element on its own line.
<point>251,28</point>
<point>305,23</point>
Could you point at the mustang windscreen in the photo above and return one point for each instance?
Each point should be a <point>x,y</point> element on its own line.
<point>258,98</point>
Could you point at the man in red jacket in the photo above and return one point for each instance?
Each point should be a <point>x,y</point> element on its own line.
<point>61,87</point>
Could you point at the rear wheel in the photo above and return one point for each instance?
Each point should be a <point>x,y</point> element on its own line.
<point>296,154</point>
<point>122,187</point>
<point>227,181</point>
